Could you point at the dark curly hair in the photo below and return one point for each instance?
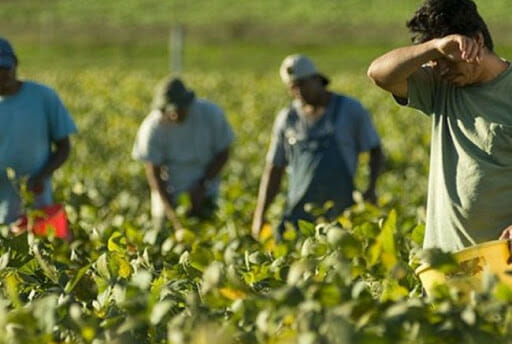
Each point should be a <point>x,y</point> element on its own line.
<point>439,18</point>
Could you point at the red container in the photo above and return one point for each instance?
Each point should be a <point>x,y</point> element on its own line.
<point>54,218</point>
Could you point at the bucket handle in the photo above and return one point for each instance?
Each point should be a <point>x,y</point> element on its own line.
<point>507,235</point>
<point>509,244</point>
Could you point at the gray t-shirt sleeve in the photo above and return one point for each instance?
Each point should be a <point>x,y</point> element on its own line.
<point>148,144</point>
<point>61,123</point>
<point>223,134</point>
<point>421,86</point>
<point>276,154</point>
<point>366,135</point>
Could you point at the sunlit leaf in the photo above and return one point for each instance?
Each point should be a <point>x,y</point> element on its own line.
<point>117,243</point>
<point>306,228</point>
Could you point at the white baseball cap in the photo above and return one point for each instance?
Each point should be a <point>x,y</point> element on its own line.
<point>296,67</point>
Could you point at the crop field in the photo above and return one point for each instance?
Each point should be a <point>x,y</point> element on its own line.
<point>121,281</point>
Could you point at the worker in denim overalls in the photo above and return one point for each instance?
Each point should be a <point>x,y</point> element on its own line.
<point>319,137</point>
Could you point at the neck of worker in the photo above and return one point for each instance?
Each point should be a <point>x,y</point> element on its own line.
<point>492,67</point>
<point>316,108</point>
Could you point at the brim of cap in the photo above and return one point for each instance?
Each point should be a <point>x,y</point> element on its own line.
<point>325,80</point>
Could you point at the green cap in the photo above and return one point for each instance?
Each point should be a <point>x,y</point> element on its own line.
<point>7,56</point>
<point>170,93</point>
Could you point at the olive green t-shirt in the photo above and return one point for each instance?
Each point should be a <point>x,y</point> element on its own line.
<point>470,181</point>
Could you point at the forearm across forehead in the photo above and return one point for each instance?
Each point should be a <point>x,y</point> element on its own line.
<point>391,70</point>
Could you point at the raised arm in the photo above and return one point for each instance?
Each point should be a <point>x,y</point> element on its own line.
<point>269,187</point>
<point>391,70</point>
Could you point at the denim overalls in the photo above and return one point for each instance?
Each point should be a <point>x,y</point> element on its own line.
<point>318,170</point>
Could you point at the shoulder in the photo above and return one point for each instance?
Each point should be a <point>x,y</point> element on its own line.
<point>425,76</point>
<point>350,108</point>
<point>206,107</point>
<point>36,88</point>
<point>152,121</point>
<point>351,103</point>
<point>283,117</point>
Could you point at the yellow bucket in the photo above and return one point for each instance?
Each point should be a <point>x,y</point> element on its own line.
<point>491,256</point>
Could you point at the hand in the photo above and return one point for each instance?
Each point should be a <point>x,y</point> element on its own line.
<point>460,48</point>
<point>370,196</point>
<point>19,226</point>
<point>197,196</point>
<point>35,185</point>
<point>507,235</point>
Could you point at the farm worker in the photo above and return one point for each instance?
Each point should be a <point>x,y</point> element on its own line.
<point>184,143</point>
<point>319,137</point>
<point>453,75</point>
<point>34,136</point>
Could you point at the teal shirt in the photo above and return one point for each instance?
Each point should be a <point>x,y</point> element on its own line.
<point>470,181</point>
<point>30,121</point>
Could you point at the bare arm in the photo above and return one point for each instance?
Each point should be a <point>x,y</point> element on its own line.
<point>215,165</point>
<point>57,158</point>
<point>391,70</point>
<point>376,162</point>
<point>269,187</point>
<point>156,183</point>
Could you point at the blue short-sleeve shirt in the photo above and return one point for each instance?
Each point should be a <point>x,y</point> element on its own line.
<point>30,120</point>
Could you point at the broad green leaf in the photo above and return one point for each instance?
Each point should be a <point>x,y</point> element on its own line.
<point>329,295</point>
<point>418,234</point>
<point>387,235</point>
<point>392,291</point>
<point>440,260</point>
<point>48,268</point>
<point>184,235</point>
<point>12,282</point>
<point>306,228</point>
<point>118,265</point>
<point>117,243</point>
<point>73,282</point>
<point>200,258</point>
<point>102,266</point>
<point>18,250</point>
<point>232,294</point>
<point>503,292</point>
<point>384,247</point>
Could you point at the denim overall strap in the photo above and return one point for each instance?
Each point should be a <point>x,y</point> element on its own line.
<point>319,173</point>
